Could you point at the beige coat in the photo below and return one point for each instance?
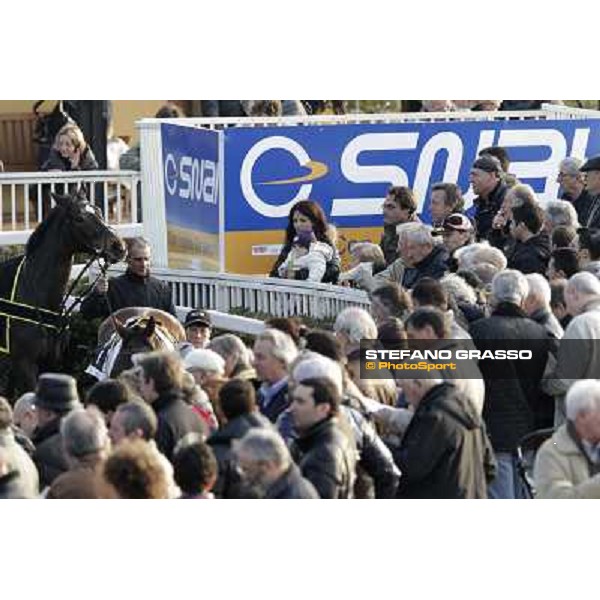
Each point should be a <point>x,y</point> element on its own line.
<point>561,471</point>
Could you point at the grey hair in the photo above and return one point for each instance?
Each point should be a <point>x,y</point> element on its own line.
<point>229,344</point>
<point>417,233</point>
<point>584,283</point>
<point>583,396</point>
<point>138,416</point>
<point>319,366</point>
<point>458,289</point>
<point>368,252</point>
<point>522,194</point>
<point>265,445</point>
<point>539,288</point>
<point>510,286</point>
<point>571,165</point>
<point>83,432</point>
<point>561,212</point>
<point>480,252</point>
<point>356,323</point>
<point>283,347</point>
<point>23,404</point>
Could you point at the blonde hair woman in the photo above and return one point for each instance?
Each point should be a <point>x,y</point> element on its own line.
<point>70,151</point>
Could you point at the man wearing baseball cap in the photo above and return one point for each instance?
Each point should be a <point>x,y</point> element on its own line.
<point>592,185</point>
<point>55,397</point>
<point>197,327</point>
<point>486,179</point>
<point>456,231</point>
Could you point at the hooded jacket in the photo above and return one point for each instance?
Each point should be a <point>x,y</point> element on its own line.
<point>531,256</point>
<point>445,452</point>
<point>228,482</point>
<point>512,387</point>
<point>175,420</point>
<point>486,209</point>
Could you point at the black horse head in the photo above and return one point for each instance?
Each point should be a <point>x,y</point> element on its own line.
<point>88,231</point>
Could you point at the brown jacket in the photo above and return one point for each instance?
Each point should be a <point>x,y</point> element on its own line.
<point>79,483</point>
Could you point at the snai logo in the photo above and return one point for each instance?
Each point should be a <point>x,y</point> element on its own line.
<point>317,170</point>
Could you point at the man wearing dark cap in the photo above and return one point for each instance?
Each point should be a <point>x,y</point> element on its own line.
<point>486,179</point>
<point>456,232</point>
<point>197,327</point>
<point>55,396</point>
<point>591,168</point>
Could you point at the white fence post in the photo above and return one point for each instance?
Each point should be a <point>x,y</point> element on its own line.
<point>153,191</point>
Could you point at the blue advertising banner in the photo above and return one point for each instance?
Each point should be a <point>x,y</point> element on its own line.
<point>348,168</point>
<point>191,180</point>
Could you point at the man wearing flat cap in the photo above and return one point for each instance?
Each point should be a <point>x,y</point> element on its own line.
<point>55,397</point>
<point>591,168</point>
<point>197,327</point>
<point>486,179</point>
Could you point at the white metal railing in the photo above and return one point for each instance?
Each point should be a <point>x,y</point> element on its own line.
<point>257,294</point>
<point>24,199</point>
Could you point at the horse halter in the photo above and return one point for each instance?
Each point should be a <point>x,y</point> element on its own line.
<point>84,241</point>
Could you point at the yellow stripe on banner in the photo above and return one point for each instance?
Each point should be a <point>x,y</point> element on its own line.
<point>251,252</point>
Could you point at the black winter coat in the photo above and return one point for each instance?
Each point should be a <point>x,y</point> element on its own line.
<point>512,387</point>
<point>56,161</point>
<point>445,452</point>
<point>531,256</point>
<point>49,456</point>
<point>292,486</point>
<point>175,420</point>
<point>435,266</point>
<point>582,205</point>
<point>327,458</point>
<point>486,210</point>
<point>228,483</point>
<point>129,290</point>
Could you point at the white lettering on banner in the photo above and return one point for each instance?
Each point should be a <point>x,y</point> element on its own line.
<point>279,142</point>
<point>355,173</point>
<point>580,143</point>
<point>194,180</point>
<point>447,142</point>
<point>394,174</point>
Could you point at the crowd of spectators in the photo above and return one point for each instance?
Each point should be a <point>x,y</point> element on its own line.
<point>289,415</point>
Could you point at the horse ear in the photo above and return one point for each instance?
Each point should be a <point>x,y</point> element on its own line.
<point>150,327</point>
<point>120,327</point>
<point>60,199</point>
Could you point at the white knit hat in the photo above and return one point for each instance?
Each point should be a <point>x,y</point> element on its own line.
<point>207,360</point>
